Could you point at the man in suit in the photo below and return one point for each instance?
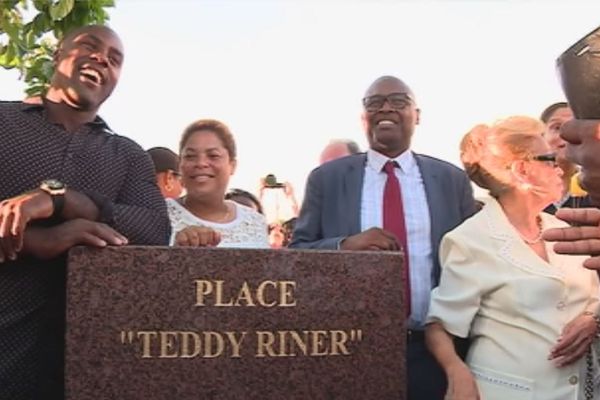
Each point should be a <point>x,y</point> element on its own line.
<point>344,209</point>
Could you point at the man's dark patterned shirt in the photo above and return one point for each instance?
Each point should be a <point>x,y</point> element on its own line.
<point>118,176</point>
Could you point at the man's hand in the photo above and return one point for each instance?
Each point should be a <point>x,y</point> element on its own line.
<point>46,243</point>
<point>581,239</point>
<point>15,214</point>
<point>197,236</point>
<point>371,239</point>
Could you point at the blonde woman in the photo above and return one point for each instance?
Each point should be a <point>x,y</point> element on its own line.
<point>531,314</point>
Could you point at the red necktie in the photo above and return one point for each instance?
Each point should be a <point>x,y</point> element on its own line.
<point>393,221</point>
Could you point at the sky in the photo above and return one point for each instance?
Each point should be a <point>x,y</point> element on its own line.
<point>287,76</point>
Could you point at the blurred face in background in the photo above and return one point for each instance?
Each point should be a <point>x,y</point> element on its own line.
<point>334,151</point>
<point>557,144</point>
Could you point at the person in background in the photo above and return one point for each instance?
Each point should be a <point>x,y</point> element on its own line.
<point>276,235</point>
<point>67,180</point>
<point>244,198</point>
<point>531,314</point>
<point>553,117</point>
<point>203,217</point>
<point>166,164</point>
<point>390,199</point>
<point>278,200</point>
<point>338,148</point>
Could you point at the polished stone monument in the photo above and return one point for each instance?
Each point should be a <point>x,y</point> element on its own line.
<point>180,323</point>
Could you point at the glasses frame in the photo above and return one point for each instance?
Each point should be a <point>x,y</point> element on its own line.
<point>549,157</point>
<point>387,98</point>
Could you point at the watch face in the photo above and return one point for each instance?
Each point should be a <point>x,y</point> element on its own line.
<point>53,184</point>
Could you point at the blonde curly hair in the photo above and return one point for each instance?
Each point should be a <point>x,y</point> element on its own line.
<point>487,151</point>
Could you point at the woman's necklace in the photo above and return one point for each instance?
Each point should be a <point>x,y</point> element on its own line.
<point>538,237</point>
<point>223,219</point>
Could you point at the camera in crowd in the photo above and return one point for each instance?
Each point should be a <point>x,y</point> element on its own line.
<point>271,182</point>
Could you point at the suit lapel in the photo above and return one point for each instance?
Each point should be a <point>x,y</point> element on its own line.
<point>434,197</point>
<point>352,193</point>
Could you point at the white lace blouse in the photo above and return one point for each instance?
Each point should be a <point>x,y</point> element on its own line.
<point>248,229</point>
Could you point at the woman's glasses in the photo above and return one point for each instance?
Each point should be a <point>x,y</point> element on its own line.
<point>549,159</point>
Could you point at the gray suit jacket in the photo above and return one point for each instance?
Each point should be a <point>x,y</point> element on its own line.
<point>332,201</point>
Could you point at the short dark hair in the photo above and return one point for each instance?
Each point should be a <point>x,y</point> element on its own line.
<point>547,113</point>
<point>164,159</point>
<point>233,193</point>
<point>214,126</point>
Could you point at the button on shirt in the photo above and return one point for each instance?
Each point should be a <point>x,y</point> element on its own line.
<point>417,219</point>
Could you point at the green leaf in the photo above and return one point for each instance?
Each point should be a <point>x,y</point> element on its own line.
<point>41,23</point>
<point>42,5</point>
<point>9,58</point>
<point>35,89</point>
<point>8,4</point>
<point>30,37</point>
<point>61,9</point>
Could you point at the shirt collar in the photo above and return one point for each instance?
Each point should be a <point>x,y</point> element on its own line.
<point>406,161</point>
<point>37,105</point>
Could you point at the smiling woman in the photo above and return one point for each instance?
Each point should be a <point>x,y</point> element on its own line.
<point>203,217</point>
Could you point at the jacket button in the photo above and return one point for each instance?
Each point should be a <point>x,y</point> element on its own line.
<point>573,380</point>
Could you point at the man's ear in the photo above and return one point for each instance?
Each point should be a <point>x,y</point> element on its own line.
<point>233,166</point>
<point>417,116</point>
<point>57,54</point>
<point>365,121</point>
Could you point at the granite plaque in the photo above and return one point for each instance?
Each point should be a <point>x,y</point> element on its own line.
<point>181,323</point>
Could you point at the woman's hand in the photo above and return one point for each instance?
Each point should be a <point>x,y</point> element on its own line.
<point>461,383</point>
<point>197,236</point>
<point>574,340</point>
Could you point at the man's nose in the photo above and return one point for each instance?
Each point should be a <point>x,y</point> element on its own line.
<point>100,57</point>
<point>570,133</point>
<point>386,106</point>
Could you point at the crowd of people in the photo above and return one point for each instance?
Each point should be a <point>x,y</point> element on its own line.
<point>494,308</point>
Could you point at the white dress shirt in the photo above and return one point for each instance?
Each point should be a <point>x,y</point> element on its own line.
<point>416,217</point>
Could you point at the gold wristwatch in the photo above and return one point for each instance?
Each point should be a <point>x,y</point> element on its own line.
<point>56,189</point>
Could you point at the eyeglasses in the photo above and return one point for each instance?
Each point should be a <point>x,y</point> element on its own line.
<point>397,101</point>
<point>549,159</point>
